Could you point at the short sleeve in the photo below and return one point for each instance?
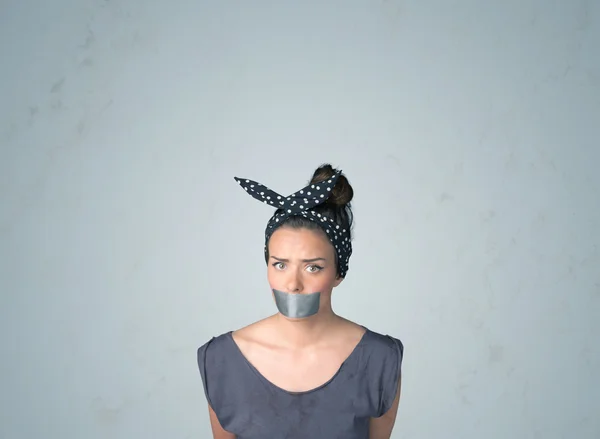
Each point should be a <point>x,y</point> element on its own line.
<point>391,370</point>
<point>202,366</point>
<point>220,378</point>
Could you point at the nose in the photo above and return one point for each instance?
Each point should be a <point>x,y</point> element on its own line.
<point>294,283</point>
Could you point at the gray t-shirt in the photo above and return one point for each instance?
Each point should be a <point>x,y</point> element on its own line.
<point>251,407</point>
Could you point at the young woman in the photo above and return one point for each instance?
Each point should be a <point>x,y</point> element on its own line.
<point>304,372</point>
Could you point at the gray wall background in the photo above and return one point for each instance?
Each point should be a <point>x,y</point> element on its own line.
<point>469,130</point>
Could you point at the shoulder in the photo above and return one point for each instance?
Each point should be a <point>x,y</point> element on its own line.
<point>384,345</point>
<point>251,332</point>
<point>382,362</point>
<point>375,342</point>
<point>214,351</point>
<point>222,343</point>
<point>216,342</point>
<point>385,353</point>
<point>261,333</point>
<point>214,360</point>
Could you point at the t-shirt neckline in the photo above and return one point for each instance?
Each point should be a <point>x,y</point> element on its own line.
<point>302,392</point>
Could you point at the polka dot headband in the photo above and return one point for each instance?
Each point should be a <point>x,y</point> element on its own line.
<point>302,203</point>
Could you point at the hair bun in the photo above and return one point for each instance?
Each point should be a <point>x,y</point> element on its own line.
<point>342,192</point>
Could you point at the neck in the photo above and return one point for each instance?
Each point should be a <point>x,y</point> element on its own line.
<point>300,333</point>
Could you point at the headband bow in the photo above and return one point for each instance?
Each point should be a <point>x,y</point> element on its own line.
<point>302,203</point>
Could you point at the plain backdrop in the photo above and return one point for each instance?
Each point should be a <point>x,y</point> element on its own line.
<point>469,131</point>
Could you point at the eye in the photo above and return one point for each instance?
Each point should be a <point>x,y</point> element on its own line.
<point>314,268</point>
<point>278,265</point>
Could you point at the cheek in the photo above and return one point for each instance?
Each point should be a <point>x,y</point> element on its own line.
<point>322,283</point>
<point>270,277</point>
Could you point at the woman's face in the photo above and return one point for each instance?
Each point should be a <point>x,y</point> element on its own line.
<point>302,261</point>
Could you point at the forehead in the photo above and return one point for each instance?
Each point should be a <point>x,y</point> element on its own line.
<point>303,242</point>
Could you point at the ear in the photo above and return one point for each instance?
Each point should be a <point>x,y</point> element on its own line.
<point>338,280</point>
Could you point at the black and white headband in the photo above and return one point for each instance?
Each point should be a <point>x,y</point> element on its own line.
<point>302,203</point>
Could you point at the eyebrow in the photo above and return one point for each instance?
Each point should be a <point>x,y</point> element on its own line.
<point>303,260</point>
